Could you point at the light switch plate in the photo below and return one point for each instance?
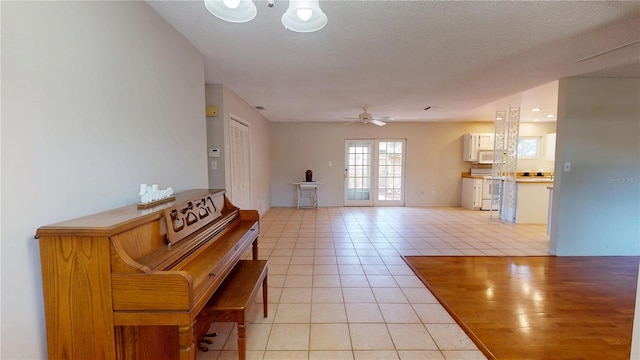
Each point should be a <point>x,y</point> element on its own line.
<point>214,152</point>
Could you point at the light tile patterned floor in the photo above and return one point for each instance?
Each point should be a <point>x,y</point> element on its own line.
<point>339,289</point>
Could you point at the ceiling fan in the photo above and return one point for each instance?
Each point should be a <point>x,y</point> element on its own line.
<point>367,118</point>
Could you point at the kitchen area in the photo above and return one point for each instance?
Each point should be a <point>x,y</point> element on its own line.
<point>532,184</point>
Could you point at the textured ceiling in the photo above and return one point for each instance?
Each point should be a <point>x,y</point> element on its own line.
<point>464,59</point>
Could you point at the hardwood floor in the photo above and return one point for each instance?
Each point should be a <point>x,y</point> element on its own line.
<point>539,307</point>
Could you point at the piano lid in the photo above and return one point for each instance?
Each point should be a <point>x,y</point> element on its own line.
<point>121,219</point>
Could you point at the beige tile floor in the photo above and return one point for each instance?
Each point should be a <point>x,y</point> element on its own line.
<point>339,288</point>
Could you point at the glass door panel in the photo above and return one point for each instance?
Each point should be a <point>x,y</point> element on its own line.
<point>390,173</point>
<point>358,172</point>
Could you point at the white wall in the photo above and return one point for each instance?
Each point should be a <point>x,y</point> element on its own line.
<point>597,204</point>
<point>433,163</point>
<point>216,128</point>
<point>598,201</point>
<point>97,97</point>
<point>230,104</point>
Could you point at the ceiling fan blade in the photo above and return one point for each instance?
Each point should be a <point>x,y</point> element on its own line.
<point>383,118</point>
<point>377,122</point>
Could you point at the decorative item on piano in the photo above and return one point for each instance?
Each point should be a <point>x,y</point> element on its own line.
<point>151,195</point>
<point>309,176</point>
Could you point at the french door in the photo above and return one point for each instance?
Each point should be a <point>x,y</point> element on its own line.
<point>374,172</point>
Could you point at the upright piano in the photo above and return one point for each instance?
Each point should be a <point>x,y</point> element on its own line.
<point>129,283</point>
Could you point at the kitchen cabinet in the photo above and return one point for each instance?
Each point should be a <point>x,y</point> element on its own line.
<point>485,141</point>
<point>473,142</point>
<point>532,204</point>
<point>471,193</point>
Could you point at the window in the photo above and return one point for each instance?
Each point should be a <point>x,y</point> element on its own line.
<point>528,147</point>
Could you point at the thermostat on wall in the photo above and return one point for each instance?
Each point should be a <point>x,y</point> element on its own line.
<point>214,152</point>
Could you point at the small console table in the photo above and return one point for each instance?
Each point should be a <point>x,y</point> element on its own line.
<point>307,194</point>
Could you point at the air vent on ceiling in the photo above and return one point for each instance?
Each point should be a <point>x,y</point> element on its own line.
<point>260,107</point>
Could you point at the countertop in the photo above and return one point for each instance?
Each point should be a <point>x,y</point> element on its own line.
<point>545,179</point>
<point>468,175</point>
<point>535,180</point>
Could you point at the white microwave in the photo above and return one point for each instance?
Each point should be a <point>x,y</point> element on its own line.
<point>485,156</point>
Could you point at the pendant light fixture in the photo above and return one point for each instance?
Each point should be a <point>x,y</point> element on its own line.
<point>235,11</point>
<point>304,16</point>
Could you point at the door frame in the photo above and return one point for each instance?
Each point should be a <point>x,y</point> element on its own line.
<point>374,175</point>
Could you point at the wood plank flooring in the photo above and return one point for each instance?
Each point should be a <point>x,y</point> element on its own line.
<point>539,307</point>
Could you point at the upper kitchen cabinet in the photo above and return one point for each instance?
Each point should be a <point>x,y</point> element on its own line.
<point>475,142</point>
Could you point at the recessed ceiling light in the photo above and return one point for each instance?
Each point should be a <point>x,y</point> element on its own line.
<point>536,120</point>
<point>535,109</point>
<point>550,116</point>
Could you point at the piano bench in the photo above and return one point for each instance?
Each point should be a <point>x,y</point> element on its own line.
<point>231,300</point>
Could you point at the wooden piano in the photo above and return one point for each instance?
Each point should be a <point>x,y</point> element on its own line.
<point>129,283</point>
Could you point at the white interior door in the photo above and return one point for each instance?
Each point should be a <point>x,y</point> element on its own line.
<point>374,172</point>
<point>240,164</point>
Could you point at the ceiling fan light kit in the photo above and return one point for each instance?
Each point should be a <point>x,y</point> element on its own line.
<point>302,16</point>
<point>366,118</point>
<point>235,11</point>
<point>377,122</point>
